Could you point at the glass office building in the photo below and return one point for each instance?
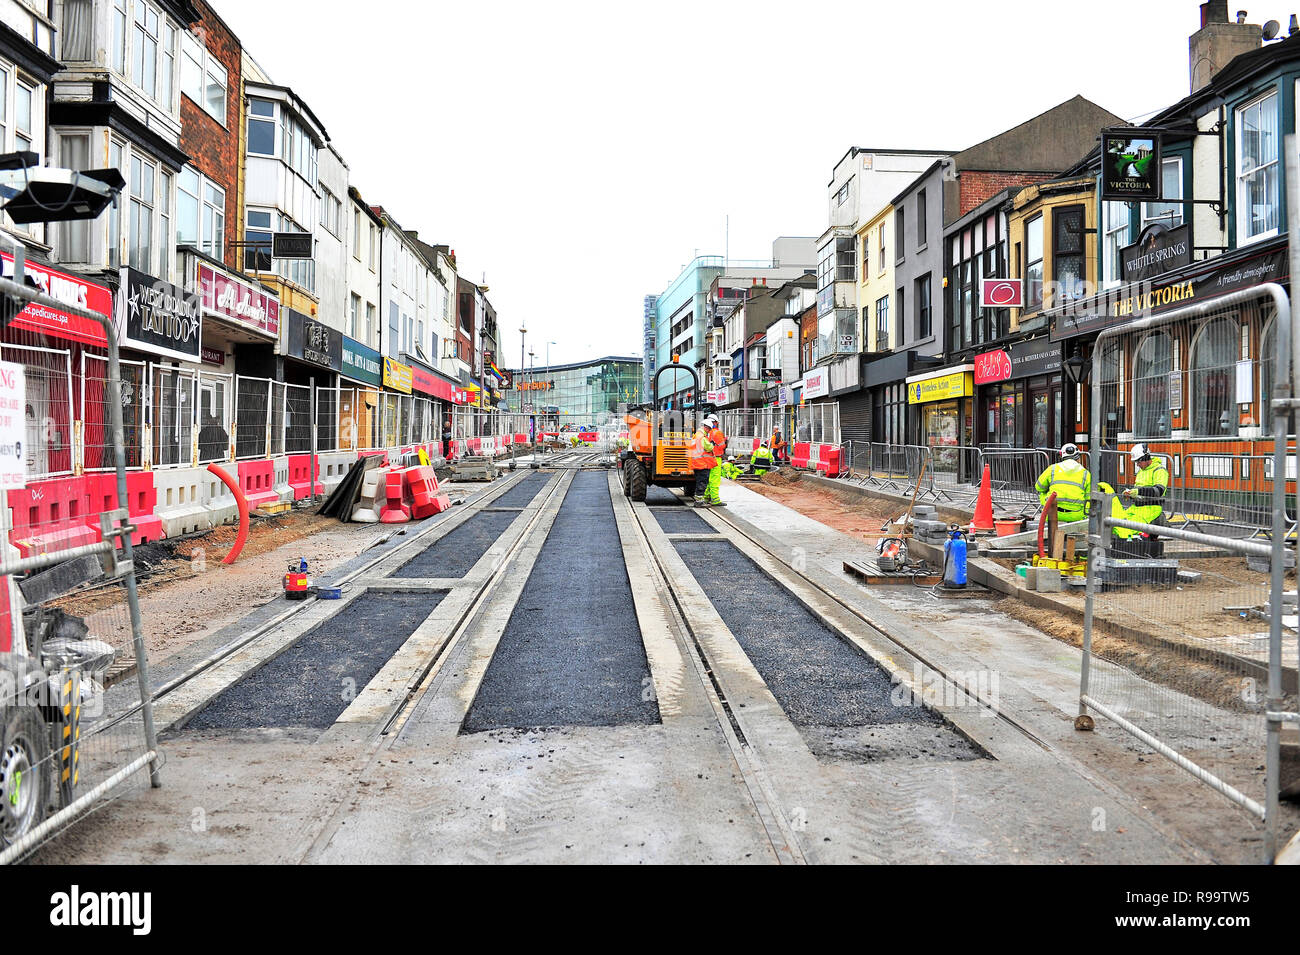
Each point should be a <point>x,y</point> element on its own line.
<point>577,390</point>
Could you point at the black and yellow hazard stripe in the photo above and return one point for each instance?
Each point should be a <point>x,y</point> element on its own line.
<point>69,734</point>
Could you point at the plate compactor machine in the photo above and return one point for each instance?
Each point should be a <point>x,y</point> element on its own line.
<point>659,441</point>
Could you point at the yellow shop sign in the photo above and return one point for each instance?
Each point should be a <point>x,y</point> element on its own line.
<point>397,376</point>
<point>957,384</point>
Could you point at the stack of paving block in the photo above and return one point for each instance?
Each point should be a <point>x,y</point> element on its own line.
<point>476,468</point>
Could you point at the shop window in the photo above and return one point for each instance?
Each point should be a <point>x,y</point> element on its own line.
<point>1213,373</point>
<point>1151,367</point>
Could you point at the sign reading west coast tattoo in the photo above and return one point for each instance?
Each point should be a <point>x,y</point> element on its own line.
<point>159,317</point>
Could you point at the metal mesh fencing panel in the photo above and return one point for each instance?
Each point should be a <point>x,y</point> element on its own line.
<point>253,404</point>
<point>327,419</point>
<point>97,427</point>
<point>1183,618</point>
<point>72,655</point>
<point>297,419</point>
<point>369,417</point>
<point>215,408</point>
<point>277,414</point>
<point>47,411</point>
<point>174,396</point>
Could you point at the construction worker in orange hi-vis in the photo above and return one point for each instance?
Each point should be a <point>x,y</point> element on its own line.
<point>719,442</point>
<point>702,462</point>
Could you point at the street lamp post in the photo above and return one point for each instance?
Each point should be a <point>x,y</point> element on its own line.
<point>518,390</point>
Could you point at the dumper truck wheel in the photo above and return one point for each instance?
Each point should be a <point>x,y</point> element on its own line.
<point>24,773</point>
<point>635,471</point>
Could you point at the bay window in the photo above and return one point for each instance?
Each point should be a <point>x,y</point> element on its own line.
<point>261,127</point>
<point>73,243</point>
<point>140,213</point>
<point>1257,169</point>
<point>144,41</point>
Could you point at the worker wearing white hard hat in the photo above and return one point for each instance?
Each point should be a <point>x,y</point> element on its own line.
<point>1070,482</point>
<point>1150,486</point>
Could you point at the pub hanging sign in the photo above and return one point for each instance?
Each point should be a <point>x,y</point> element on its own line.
<point>159,317</point>
<point>1130,168</point>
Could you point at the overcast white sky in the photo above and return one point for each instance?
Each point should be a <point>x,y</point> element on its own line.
<point>579,154</point>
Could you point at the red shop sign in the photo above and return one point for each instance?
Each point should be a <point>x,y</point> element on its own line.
<point>422,380</point>
<point>239,302</point>
<point>70,289</point>
<point>992,366</point>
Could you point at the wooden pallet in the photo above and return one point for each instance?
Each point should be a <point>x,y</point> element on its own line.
<point>868,573</point>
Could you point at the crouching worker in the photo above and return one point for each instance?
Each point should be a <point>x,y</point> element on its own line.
<point>761,460</point>
<point>1070,482</point>
<point>731,470</point>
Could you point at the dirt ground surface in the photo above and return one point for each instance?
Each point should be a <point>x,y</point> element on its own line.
<point>1221,737</point>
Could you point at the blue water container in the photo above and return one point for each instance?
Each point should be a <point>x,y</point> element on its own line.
<point>954,560</point>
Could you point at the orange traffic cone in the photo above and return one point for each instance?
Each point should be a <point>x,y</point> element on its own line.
<point>984,504</point>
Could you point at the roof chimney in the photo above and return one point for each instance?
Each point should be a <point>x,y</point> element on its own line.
<point>1214,45</point>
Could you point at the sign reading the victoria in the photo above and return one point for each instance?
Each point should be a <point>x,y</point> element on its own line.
<point>1130,166</point>
<point>156,316</point>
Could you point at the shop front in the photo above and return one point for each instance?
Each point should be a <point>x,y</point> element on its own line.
<point>241,324</point>
<point>313,358</point>
<point>1196,390</point>
<point>64,358</point>
<point>1022,396</point>
<point>436,394</point>
<point>360,378</point>
<point>394,404</point>
<point>160,329</point>
<point>943,408</point>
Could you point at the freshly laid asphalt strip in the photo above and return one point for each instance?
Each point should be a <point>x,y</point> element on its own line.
<point>455,553</point>
<point>522,494</point>
<point>826,687</point>
<point>657,496</point>
<point>681,521</point>
<point>305,685</point>
<point>571,653</point>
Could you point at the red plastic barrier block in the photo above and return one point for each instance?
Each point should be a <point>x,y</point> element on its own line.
<point>300,476</point>
<point>521,439</point>
<point>421,489</point>
<point>50,516</point>
<point>474,445</point>
<point>802,452</point>
<point>257,481</point>
<point>830,460</point>
<point>395,510</point>
<point>141,502</point>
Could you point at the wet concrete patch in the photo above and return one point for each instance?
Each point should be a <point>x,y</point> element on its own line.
<point>679,520</point>
<point>456,552</point>
<point>312,682</point>
<point>522,494</point>
<point>571,653</point>
<point>836,696</point>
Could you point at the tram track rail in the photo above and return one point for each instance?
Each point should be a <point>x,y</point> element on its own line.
<point>344,581</point>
